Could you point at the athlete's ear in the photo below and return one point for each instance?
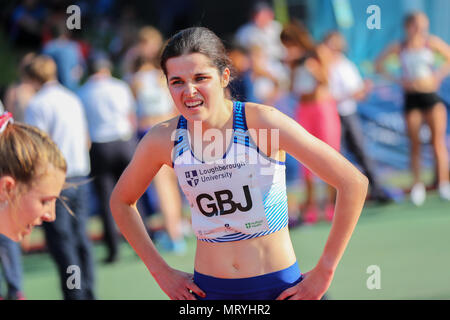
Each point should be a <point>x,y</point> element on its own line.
<point>7,187</point>
<point>226,75</point>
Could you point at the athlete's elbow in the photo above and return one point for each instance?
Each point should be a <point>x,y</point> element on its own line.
<point>355,183</point>
<point>360,183</point>
<point>116,202</point>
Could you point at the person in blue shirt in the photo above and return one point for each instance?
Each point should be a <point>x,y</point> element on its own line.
<point>67,55</point>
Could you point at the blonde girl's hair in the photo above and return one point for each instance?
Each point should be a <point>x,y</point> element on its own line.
<point>41,68</point>
<point>25,151</point>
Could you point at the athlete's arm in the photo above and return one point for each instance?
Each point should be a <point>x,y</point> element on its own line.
<point>332,168</point>
<point>441,47</point>
<point>379,62</point>
<point>152,153</point>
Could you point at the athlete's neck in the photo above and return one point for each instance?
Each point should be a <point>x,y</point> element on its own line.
<point>201,133</point>
<point>417,41</point>
<point>220,119</point>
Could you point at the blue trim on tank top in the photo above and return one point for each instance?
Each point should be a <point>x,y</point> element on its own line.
<point>239,124</point>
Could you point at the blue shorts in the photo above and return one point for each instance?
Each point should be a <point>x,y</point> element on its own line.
<point>265,287</point>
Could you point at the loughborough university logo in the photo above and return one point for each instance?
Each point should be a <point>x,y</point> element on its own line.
<point>192,178</point>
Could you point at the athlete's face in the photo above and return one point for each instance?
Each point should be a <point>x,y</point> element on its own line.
<point>36,204</point>
<point>419,26</point>
<point>196,85</point>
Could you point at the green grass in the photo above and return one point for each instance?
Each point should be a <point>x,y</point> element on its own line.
<point>409,244</point>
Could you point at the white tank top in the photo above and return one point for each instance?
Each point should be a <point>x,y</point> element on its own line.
<point>238,197</point>
<point>417,63</point>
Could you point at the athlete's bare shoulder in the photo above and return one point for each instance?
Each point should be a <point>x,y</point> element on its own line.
<point>264,123</point>
<point>439,45</point>
<point>163,130</point>
<point>260,116</point>
<point>158,141</point>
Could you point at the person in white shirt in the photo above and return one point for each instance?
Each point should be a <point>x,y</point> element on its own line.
<point>58,112</point>
<point>110,110</point>
<point>347,87</point>
<point>263,31</point>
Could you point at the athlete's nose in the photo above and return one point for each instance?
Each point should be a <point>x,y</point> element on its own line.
<point>191,90</point>
<point>49,216</point>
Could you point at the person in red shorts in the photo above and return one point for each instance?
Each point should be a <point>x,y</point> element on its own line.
<point>316,111</point>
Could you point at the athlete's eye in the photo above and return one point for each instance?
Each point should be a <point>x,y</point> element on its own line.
<point>176,82</point>
<point>201,78</point>
<point>46,202</point>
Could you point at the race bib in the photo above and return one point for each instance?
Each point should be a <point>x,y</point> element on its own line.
<point>224,199</point>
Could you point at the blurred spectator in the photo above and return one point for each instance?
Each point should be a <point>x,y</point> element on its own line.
<point>347,87</point>
<point>316,111</point>
<point>57,18</point>
<point>110,110</point>
<point>56,11</point>
<point>265,84</point>
<point>297,43</point>
<point>155,105</point>
<point>264,32</point>
<point>124,32</point>
<point>11,261</point>
<point>67,54</point>
<point>57,111</point>
<point>26,24</point>
<point>252,80</point>
<point>18,95</point>
<point>174,15</point>
<point>420,81</point>
<point>241,86</point>
<point>148,46</point>
<point>242,89</point>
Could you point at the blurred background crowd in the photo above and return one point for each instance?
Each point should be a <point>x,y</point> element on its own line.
<point>312,59</point>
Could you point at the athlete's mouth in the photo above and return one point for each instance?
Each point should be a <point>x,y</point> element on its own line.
<point>193,104</point>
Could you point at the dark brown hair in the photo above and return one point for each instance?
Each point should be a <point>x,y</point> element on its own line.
<point>295,33</point>
<point>196,40</point>
<point>411,17</point>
